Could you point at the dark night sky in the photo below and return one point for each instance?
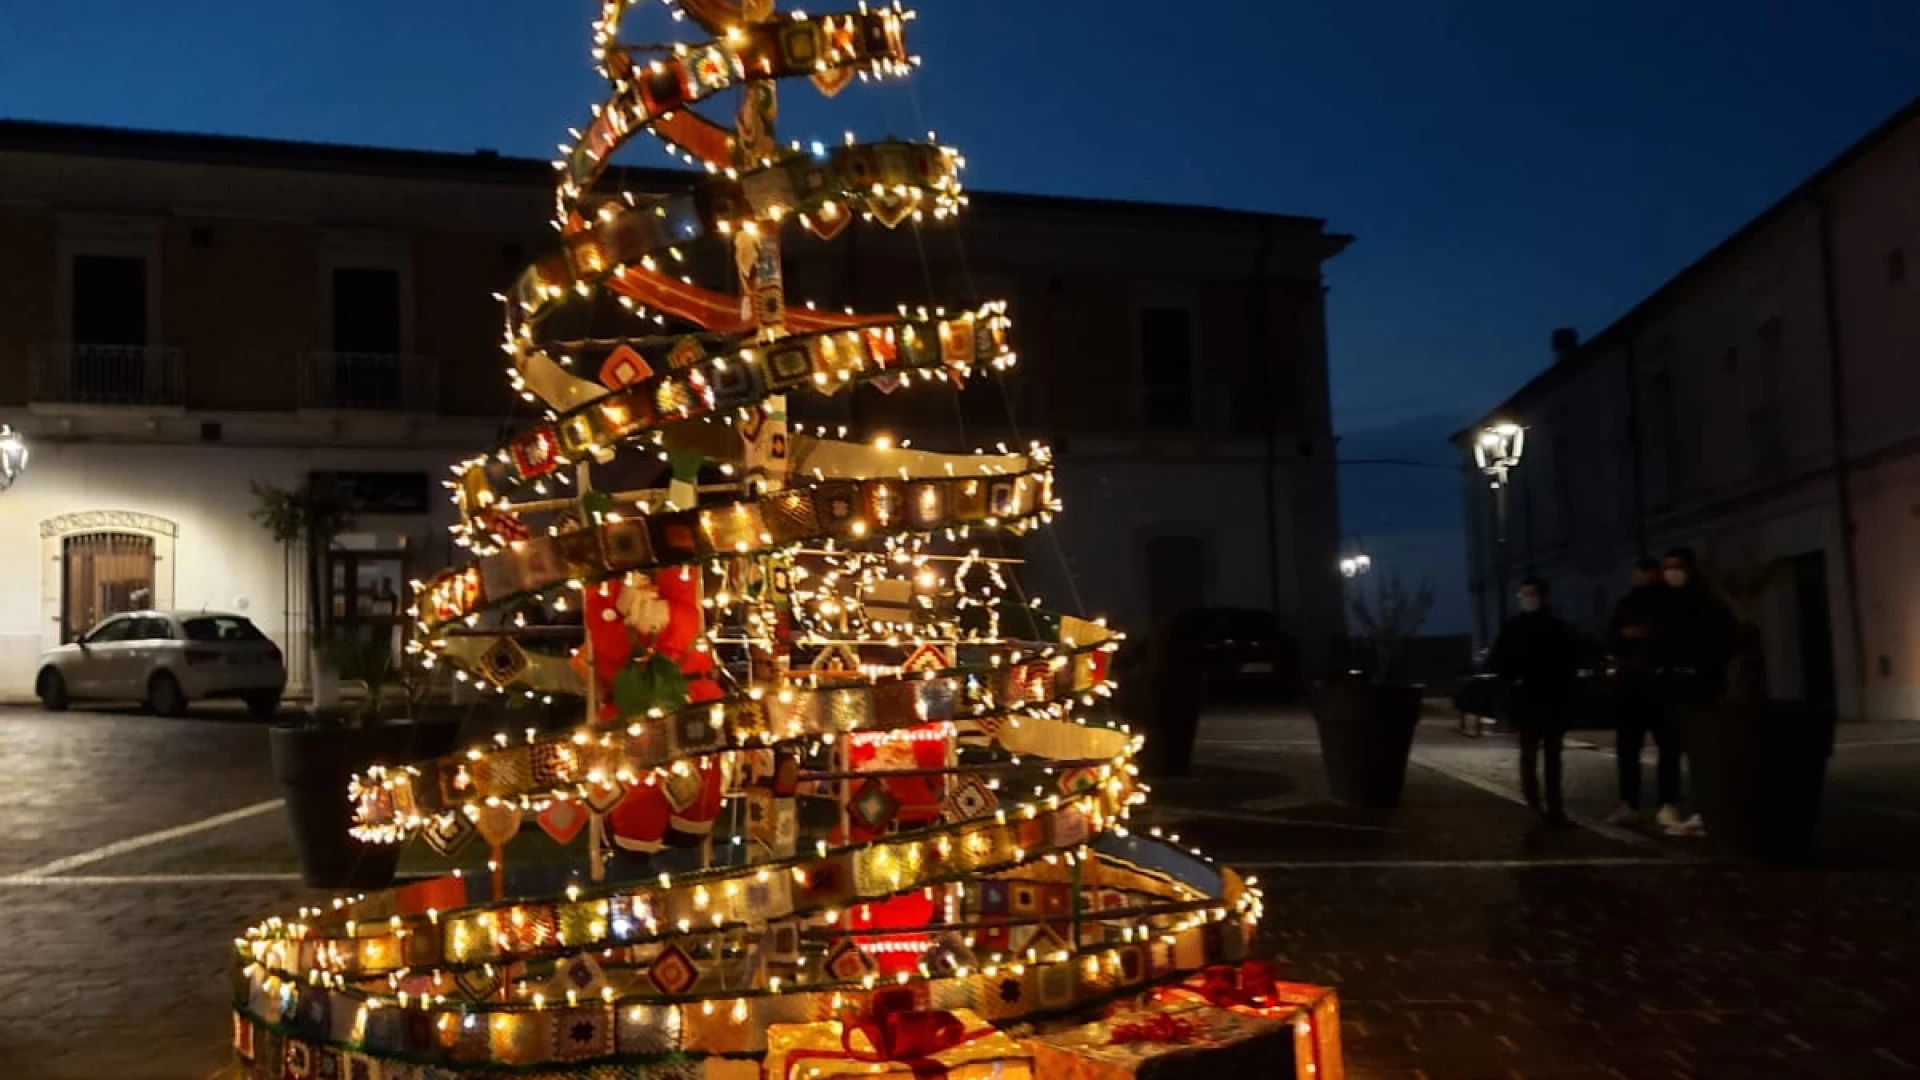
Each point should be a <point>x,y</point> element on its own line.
<point>1507,165</point>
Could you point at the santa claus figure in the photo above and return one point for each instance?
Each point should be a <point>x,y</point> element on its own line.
<point>633,621</point>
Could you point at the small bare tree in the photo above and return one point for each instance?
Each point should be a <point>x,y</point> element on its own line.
<point>1386,620</point>
<point>305,521</point>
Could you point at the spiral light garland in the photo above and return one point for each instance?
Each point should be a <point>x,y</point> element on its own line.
<point>824,749</point>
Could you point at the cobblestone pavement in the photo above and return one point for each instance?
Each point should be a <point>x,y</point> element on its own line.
<point>1464,942</point>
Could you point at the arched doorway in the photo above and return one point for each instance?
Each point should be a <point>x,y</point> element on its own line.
<point>104,573</point>
<point>95,563</point>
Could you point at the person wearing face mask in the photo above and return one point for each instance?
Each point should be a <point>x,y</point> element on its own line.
<point>1692,646</point>
<point>1538,656</point>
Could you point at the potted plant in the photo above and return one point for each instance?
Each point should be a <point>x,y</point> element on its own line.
<point>1757,765</point>
<point>1366,714</point>
<point>314,760</point>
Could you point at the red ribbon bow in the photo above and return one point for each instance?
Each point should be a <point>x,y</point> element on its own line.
<point>905,1035</point>
<point>1223,986</point>
<point>1158,1028</point>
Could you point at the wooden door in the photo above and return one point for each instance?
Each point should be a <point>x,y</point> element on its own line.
<point>106,573</point>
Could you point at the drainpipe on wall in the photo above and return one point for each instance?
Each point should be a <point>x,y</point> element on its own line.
<point>1842,485</point>
<point>1263,337</point>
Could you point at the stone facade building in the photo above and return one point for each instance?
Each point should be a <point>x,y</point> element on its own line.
<point>1758,407</point>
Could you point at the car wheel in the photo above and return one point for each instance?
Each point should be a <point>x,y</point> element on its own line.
<point>164,697</point>
<point>52,689</point>
<point>262,706</point>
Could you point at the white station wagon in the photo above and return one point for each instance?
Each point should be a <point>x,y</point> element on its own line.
<point>166,659</point>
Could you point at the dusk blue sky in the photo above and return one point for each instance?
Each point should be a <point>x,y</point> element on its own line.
<point>1506,166</point>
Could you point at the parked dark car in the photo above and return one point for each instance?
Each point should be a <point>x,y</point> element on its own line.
<point>1231,653</point>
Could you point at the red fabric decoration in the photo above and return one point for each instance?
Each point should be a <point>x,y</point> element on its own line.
<point>698,817</point>
<point>617,641</point>
<point>908,911</point>
<point>639,823</point>
<point>1250,985</point>
<point>681,590</point>
<point>921,798</point>
<point>900,1034</point>
<point>1158,1028</point>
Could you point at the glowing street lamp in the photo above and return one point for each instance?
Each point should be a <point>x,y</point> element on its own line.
<point>13,456</point>
<point>1497,449</point>
<point>1352,566</point>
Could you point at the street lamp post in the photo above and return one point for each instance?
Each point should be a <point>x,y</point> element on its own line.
<point>1497,451</point>
<point>13,456</point>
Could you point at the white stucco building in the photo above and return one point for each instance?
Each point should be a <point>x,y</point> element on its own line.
<point>182,317</point>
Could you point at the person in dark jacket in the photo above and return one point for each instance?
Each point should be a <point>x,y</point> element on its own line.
<point>1637,707</point>
<point>1692,646</point>
<point>1538,655</point>
<point>1693,633</point>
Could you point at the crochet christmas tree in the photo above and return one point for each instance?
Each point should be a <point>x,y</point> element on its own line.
<point>824,761</point>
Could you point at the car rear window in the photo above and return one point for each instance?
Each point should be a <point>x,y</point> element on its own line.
<point>222,628</point>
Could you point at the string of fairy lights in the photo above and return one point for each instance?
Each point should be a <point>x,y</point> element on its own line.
<point>868,761</point>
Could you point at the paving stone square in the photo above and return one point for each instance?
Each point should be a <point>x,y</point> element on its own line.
<point>1465,941</point>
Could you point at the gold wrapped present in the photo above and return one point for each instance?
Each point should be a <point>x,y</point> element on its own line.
<point>1251,990</point>
<point>1168,1042</point>
<point>896,1041</point>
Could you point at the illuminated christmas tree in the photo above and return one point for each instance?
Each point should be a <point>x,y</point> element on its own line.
<point>833,788</point>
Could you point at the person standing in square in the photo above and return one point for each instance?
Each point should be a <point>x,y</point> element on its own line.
<point>1538,656</point>
<point>1638,708</point>
<point>1693,641</point>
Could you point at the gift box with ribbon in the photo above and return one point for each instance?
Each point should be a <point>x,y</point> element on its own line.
<point>897,1040</point>
<point>1251,990</point>
<point>1169,1041</point>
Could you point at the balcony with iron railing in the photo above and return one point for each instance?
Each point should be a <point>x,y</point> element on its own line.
<point>368,382</point>
<point>136,376</point>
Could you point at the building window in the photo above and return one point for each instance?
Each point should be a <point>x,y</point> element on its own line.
<point>366,310</point>
<point>1766,431</point>
<point>108,362</point>
<point>1771,344</point>
<point>1563,480</point>
<point>366,369</point>
<point>1897,265</point>
<point>1664,463</point>
<point>1166,366</point>
<point>109,300</point>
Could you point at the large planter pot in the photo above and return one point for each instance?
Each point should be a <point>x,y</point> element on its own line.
<point>1366,733</point>
<point>1165,705</point>
<point>1757,770</point>
<point>313,765</point>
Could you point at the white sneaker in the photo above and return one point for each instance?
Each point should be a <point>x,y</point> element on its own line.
<point>1624,815</point>
<point>1668,817</point>
<point>1693,826</point>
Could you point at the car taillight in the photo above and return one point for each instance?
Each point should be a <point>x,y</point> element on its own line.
<point>202,656</point>
<point>273,654</point>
